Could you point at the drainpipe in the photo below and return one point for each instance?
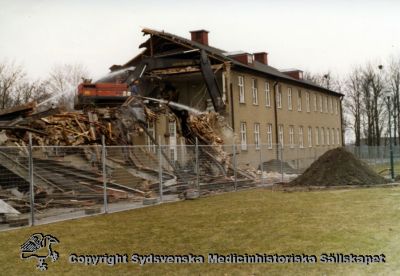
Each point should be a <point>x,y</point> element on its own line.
<point>341,121</point>
<point>276,119</point>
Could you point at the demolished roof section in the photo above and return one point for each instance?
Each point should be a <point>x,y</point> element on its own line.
<point>167,42</point>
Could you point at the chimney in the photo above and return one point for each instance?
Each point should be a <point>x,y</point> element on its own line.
<point>242,57</point>
<point>200,36</point>
<point>261,57</point>
<point>294,73</point>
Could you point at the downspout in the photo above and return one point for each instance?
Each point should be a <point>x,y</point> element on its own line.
<point>341,121</point>
<point>276,119</point>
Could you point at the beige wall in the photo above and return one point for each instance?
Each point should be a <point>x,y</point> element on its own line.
<point>250,114</point>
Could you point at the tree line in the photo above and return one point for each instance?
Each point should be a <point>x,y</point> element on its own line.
<point>17,88</point>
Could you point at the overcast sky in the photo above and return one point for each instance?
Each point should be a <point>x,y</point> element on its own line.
<point>311,35</point>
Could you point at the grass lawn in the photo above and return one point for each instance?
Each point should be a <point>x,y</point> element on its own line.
<point>359,221</point>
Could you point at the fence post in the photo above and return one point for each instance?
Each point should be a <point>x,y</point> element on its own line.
<point>197,165</point>
<point>103,162</point>
<point>31,184</point>
<point>160,169</point>
<point>234,166</point>
<point>281,157</point>
<point>261,166</point>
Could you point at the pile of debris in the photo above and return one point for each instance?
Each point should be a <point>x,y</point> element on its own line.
<point>338,167</point>
<point>72,177</point>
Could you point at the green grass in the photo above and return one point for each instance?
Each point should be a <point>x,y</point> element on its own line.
<point>360,221</point>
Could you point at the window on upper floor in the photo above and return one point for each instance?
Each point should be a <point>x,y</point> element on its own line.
<point>299,100</point>
<point>315,102</point>
<point>320,104</point>
<point>309,137</point>
<point>308,101</point>
<point>289,98</point>
<point>254,89</point>
<point>267,94</point>
<point>279,97</point>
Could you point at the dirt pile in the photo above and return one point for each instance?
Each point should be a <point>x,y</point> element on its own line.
<point>338,167</point>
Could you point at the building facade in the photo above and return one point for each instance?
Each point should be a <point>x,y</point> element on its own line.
<point>263,106</point>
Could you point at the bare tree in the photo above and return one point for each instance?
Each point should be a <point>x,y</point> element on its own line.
<point>11,75</point>
<point>63,82</point>
<point>393,79</point>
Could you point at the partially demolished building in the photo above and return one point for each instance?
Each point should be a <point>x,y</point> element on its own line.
<point>259,104</point>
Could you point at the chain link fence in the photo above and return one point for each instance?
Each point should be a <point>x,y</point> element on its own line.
<point>72,182</point>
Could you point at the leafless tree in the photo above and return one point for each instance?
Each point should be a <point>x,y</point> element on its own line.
<point>63,83</point>
<point>11,75</point>
<point>393,80</point>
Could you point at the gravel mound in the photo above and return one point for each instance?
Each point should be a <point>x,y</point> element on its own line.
<point>338,167</point>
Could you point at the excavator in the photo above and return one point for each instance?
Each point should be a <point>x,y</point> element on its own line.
<point>114,89</point>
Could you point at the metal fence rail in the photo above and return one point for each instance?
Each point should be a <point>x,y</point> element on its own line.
<point>70,182</point>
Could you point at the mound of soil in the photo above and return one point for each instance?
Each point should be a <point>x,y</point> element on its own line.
<point>338,167</point>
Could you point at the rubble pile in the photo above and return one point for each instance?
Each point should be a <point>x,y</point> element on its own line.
<point>72,177</point>
<point>338,167</point>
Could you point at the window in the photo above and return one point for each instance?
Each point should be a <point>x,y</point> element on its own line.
<point>331,104</point>
<point>337,137</point>
<point>315,103</point>
<point>257,135</point>
<point>333,136</point>
<point>152,133</point>
<point>322,136</point>
<point>309,137</point>
<point>243,136</point>
<point>241,89</point>
<point>337,107</point>
<point>326,104</point>
<point>301,137</point>
<point>269,136</point>
<point>267,95</point>
<point>317,136</point>
<point>278,97</point>
<point>320,104</point>
<point>327,136</point>
<point>224,87</point>
<point>254,90</point>
<point>173,154</point>
<point>291,136</point>
<point>299,100</point>
<point>308,101</point>
<point>280,132</point>
<point>289,98</point>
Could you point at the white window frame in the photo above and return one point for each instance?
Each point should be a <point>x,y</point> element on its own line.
<point>321,107</point>
<point>267,94</point>
<point>269,136</point>
<point>331,104</point>
<point>308,101</point>
<point>322,136</point>
<point>333,136</point>
<point>172,140</point>
<point>309,135</point>
<point>337,106</point>
<point>328,134</point>
<point>299,103</point>
<point>254,90</point>
<point>289,95</point>
<point>291,136</point>
<point>241,89</point>
<point>337,136</point>
<point>278,96</point>
<point>257,135</point>
<point>317,136</point>
<point>281,135</point>
<point>326,104</point>
<point>301,137</point>
<point>315,103</point>
<point>243,135</point>
<point>152,132</point>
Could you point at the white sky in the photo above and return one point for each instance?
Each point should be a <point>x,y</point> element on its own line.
<point>309,35</point>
